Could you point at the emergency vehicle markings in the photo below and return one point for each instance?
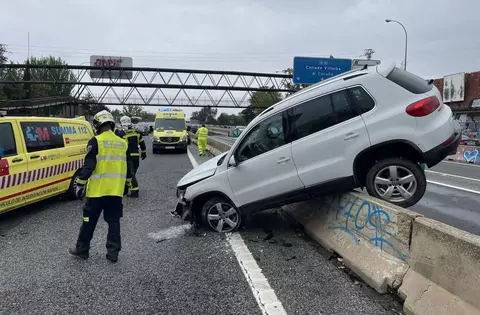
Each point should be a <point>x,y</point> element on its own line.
<point>12,180</point>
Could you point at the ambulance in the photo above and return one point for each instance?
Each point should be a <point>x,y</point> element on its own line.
<point>170,131</point>
<point>40,158</point>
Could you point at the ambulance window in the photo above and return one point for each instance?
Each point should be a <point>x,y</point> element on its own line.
<point>40,136</point>
<point>7,140</point>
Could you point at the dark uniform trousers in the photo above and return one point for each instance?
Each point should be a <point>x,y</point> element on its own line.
<point>135,164</point>
<point>112,212</point>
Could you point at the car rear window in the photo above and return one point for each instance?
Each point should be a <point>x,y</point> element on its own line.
<point>409,81</point>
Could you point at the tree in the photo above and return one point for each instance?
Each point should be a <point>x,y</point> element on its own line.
<point>292,86</point>
<point>223,119</point>
<point>91,107</point>
<point>13,91</point>
<point>132,110</point>
<point>3,60</point>
<point>46,90</point>
<point>117,114</point>
<point>205,115</point>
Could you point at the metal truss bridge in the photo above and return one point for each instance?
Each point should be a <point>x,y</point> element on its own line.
<point>152,86</point>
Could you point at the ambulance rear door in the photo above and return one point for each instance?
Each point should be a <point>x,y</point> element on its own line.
<point>13,166</point>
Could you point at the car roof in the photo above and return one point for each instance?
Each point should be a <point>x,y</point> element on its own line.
<point>322,87</point>
<point>30,118</point>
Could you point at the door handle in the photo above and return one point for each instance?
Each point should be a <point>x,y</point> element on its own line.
<point>350,135</point>
<point>16,160</point>
<point>34,157</point>
<point>283,160</point>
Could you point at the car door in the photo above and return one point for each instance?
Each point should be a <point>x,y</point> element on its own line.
<point>329,134</point>
<point>13,166</point>
<point>44,147</point>
<point>265,168</point>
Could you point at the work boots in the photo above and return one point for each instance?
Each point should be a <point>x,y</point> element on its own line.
<point>134,194</point>
<point>81,254</point>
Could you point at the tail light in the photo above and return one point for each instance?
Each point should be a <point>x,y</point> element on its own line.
<point>423,107</point>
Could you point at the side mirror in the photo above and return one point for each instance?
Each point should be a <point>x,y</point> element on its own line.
<point>232,161</point>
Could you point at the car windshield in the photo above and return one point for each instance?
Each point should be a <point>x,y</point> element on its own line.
<point>169,124</point>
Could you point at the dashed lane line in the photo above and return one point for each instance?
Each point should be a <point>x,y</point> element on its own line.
<point>452,175</point>
<point>454,187</point>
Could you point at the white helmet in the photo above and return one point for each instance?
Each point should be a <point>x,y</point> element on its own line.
<point>126,122</point>
<point>103,117</point>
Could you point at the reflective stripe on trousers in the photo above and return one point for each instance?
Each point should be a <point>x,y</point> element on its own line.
<point>108,175</point>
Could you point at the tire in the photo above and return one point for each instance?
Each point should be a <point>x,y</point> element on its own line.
<point>404,193</point>
<point>71,193</point>
<point>210,209</point>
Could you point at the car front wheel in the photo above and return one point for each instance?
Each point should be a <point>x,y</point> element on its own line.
<point>221,215</point>
<point>399,181</point>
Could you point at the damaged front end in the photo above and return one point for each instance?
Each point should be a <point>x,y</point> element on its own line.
<point>182,209</point>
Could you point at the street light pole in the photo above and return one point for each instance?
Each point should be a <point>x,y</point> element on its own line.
<point>406,40</point>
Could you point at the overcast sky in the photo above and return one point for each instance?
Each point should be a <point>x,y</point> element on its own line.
<point>246,35</point>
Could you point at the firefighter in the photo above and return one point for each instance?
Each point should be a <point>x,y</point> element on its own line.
<point>104,181</point>
<point>202,136</point>
<point>134,139</point>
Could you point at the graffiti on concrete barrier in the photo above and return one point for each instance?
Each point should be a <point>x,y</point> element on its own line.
<point>362,219</point>
<point>466,154</point>
<point>470,156</point>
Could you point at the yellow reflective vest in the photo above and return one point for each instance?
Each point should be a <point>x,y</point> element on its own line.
<point>202,132</point>
<point>110,174</point>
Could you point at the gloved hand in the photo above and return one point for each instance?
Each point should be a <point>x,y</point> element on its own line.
<point>80,189</point>
<point>128,184</point>
<point>144,155</point>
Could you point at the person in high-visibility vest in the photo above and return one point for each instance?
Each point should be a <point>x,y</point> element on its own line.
<point>202,136</point>
<point>134,139</point>
<point>104,181</point>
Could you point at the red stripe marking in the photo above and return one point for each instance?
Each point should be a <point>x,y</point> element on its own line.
<point>33,189</point>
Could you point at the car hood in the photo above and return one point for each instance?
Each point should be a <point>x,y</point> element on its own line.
<point>200,172</point>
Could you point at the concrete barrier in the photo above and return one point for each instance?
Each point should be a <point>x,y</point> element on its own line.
<point>466,154</point>
<point>433,267</point>
<point>213,146</point>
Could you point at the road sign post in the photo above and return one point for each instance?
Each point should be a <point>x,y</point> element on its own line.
<point>308,70</point>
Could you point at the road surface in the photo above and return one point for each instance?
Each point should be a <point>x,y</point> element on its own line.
<point>163,268</point>
<point>453,195</point>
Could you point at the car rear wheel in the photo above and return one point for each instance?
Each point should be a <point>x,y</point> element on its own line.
<point>221,215</point>
<point>399,181</point>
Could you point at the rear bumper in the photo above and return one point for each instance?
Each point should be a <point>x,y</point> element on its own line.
<point>169,146</point>
<point>440,152</point>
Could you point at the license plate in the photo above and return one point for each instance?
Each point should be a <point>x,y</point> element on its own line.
<point>169,147</point>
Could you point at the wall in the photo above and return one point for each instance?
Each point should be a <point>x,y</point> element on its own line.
<point>472,91</point>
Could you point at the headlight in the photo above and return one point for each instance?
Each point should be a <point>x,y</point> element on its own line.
<point>155,139</point>
<point>184,138</point>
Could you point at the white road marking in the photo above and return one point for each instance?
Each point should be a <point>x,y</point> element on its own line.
<point>264,295</point>
<point>460,163</point>
<point>452,175</point>
<point>266,298</point>
<point>454,187</point>
<point>192,159</point>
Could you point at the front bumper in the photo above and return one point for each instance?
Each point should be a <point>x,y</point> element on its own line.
<point>440,152</point>
<point>169,146</point>
<point>182,208</point>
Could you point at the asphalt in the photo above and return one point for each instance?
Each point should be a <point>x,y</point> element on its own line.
<point>453,206</point>
<point>163,268</point>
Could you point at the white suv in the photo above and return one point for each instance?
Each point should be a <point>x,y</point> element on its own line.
<point>364,128</point>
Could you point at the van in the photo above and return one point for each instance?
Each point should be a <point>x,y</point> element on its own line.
<point>39,158</point>
<point>170,131</point>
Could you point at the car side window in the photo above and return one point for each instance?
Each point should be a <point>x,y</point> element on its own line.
<point>7,140</point>
<point>342,106</point>
<point>362,99</point>
<point>314,116</point>
<point>267,135</point>
<point>40,136</point>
